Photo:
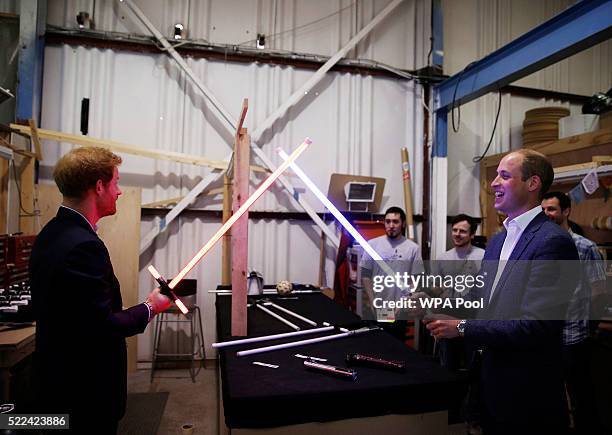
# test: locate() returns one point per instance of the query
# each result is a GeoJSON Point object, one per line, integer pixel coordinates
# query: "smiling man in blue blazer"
{"type": "Point", "coordinates": [518, 332]}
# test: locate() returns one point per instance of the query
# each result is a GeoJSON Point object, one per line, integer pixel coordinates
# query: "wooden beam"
{"type": "Point", "coordinates": [128, 149]}
{"type": "Point", "coordinates": [226, 250]}
{"type": "Point", "coordinates": [240, 240]}
{"type": "Point", "coordinates": [35, 140]}
{"type": "Point", "coordinates": [16, 150]}
{"type": "Point", "coordinates": [173, 201]}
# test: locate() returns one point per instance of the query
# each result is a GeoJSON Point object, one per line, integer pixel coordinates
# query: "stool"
{"type": "Point", "coordinates": [185, 289]}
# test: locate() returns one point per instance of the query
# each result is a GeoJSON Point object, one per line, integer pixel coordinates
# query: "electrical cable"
{"type": "Point", "coordinates": [456, 128]}
{"type": "Point", "coordinates": [270, 37]}
{"type": "Point", "coordinates": [477, 159]}
{"type": "Point", "coordinates": [23, 210]}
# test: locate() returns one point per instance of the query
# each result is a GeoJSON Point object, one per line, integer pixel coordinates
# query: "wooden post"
{"type": "Point", "coordinates": [240, 247]}
{"type": "Point", "coordinates": [226, 252]}
{"type": "Point", "coordinates": [322, 277]}
{"type": "Point", "coordinates": [407, 192]}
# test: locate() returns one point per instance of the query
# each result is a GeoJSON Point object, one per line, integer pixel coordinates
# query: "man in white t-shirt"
{"type": "Point", "coordinates": [463, 259]}
{"type": "Point", "coordinates": [400, 254]}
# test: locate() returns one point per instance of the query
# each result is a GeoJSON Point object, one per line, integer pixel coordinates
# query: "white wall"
{"type": "Point", "coordinates": [357, 123]}
{"type": "Point", "coordinates": [475, 28]}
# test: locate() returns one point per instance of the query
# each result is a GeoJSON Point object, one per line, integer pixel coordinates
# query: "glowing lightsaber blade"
{"type": "Point", "coordinates": [165, 289]}
{"type": "Point", "coordinates": [243, 208]}
{"type": "Point", "coordinates": [332, 208]}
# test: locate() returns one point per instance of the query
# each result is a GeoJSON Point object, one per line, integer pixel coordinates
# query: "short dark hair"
{"type": "Point", "coordinates": [464, 217]}
{"type": "Point", "coordinates": [564, 201]}
{"type": "Point", "coordinates": [536, 163]}
{"type": "Point", "coordinates": [398, 211]}
{"type": "Point", "coordinates": [80, 169]}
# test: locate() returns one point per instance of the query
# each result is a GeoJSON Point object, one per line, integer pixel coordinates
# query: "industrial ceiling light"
{"type": "Point", "coordinates": [179, 31]}
{"type": "Point", "coordinates": [83, 20]}
{"type": "Point", "coordinates": [261, 41]}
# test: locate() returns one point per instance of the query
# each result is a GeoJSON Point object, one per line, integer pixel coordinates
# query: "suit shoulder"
{"type": "Point", "coordinates": [63, 236]}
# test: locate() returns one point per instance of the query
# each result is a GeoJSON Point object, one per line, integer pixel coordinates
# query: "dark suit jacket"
{"type": "Point", "coordinates": [80, 358]}
{"type": "Point", "coordinates": [519, 331]}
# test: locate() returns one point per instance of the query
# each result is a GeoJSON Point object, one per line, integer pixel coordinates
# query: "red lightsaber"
{"type": "Point", "coordinates": [231, 221]}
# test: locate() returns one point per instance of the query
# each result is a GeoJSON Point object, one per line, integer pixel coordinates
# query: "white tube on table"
{"type": "Point", "coordinates": [303, 342]}
{"type": "Point", "coordinates": [291, 313]}
{"type": "Point", "coordinates": [276, 316]}
{"type": "Point", "coordinates": [271, 337]}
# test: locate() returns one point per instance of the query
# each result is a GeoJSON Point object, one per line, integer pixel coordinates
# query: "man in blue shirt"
{"type": "Point", "coordinates": [576, 365]}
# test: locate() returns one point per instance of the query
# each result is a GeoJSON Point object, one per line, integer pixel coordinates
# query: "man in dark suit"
{"type": "Point", "coordinates": [81, 359]}
{"type": "Point", "coordinates": [518, 333]}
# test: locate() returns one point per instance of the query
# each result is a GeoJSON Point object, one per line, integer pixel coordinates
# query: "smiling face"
{"type": "Point", "coordinates": [461, 234]}
{"type": "Point", "coordinates": [107, 194]}
{"type": "Point", "coordinates": [513, 195]}
{"type": "Point", "coordinates": [553, 211]}
{"type": "Point", "coordinates": [393, 225]}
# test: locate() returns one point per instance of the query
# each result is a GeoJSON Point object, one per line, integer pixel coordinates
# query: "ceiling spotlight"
{"type": "Point", "coordinates": [179, 31]}
{"type": "Point", "coordinates": [261, 41]}
{"type": "Point", "coordinates": [83, 20]}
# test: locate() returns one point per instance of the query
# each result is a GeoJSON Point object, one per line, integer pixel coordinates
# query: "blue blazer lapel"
{"type": "Point", "coordinates": [492, 255]}
{"type": "Point", "coordinates": [518, 250]}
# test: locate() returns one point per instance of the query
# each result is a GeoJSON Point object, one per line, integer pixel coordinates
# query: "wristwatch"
{"type": "Point", "coordinates": [461, 328]}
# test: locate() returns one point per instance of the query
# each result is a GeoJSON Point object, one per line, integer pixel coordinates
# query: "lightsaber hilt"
{"type": "Point", "coordinates": [374, 362]}
{"type": "Point", "coordinates": [340, 372]}
{"type": "Point", "coordinates": [164, 289]}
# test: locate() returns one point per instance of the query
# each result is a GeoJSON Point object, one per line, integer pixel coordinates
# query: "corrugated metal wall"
{"type": "Point", "coordinates": [357, 123]}
{"type": "Point", "coordinates": [475, 28]}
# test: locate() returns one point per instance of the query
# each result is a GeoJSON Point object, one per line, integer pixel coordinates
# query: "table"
{"type": "Point", "coordinates": [293, 400]}
{"type": "Point", "coordinates": [15, 345]}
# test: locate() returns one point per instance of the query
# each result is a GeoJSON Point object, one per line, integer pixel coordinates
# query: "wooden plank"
{"type": "Point", "coordinates": [586, 165]}
{"type": "Point", "coordinates": [573, 143]}
{"type": "Point", "coordinates": [239, 244]}
{"type": "Point", "coordinates": [121, 235]}
{"type": "Point", "coordinates": [35, 140]}
{"type": "Point", "coordinates": [226, 247]}
{"type": "Point", "coordinates": [172, 201]}
{"type": "Point", "coordinates": [128, 149]}
{"type": "Point", "coordinates": [15, 149]}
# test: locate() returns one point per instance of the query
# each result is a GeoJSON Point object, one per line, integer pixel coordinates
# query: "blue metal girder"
{"type": "Point", "coordinates": [579, 27]}
{"type": "Point", "coordinates": [440, 145]}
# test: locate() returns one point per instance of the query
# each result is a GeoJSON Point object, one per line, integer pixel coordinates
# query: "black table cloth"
{"type": "Point", "coordinates": [256, 397]}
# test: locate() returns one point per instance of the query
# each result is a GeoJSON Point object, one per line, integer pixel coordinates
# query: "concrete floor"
{"type": "Point", "coordinates": [194, 403]}
{"type": "Point", "coordinates": [188, 402]}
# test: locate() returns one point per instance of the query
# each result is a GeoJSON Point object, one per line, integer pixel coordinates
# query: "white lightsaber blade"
{"type": "Point", "coordinates": [332, 208]}
{"type": "Point", "coordinates": [291, 313]}
{"type": "Point", "coordinates": [276, 316]}
{"type": "Point", "coordinates": [271, 337]}
{"type": "Point", "coordinates": [243, 208]}
{"type": "Point", "coordinates": [303, 342]}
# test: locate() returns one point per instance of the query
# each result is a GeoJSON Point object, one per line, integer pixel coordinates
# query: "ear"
{"type": "Point", "coordinates": [534, 183]}
{"type": "Point", "coordinates": [99, 186]}
{"type": "Point", "coordinates": [567, 212]}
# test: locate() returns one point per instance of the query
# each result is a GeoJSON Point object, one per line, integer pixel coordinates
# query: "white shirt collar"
{"type": "Point", "coordinates": [523, 220]}
{"type": "Point", "coordinates": [93, 227]}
